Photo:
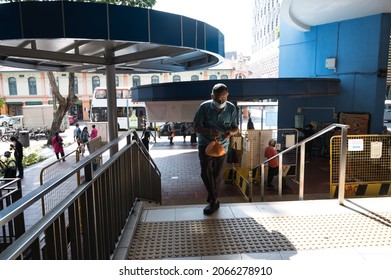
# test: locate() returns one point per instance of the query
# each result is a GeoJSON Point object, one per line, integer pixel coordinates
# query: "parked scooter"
{"type": "Point", "coordinates": [39, 134]}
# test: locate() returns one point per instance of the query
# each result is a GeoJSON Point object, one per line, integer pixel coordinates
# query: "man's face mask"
{"type": "Point", "coordinates": [220, 100]}
{"type": "Point", "coordinates": [219, 105]}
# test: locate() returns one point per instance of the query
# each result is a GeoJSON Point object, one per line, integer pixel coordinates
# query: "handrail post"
{"type": "Point", "coordinates": [78, 175]}
{"type": "Point", "coordinates": [302, 166]}
{"type": "Point", "coordinates": [250, 173]}
{"type": "Point", "coordinates": [280, 175]}
{"type": "Point", "coordinates": [262, 182]}
{"type": "Point", "coordinates": [20, 226]}
{"type": "Point", "coordinates": [342, 165]}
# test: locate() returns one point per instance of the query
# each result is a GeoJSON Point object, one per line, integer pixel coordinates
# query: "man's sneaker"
{"type": "Point", "coordinates": [208, 210]}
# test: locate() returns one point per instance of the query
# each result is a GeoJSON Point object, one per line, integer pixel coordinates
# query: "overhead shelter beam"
{"type": "Point", "coordinates": [239, 89]}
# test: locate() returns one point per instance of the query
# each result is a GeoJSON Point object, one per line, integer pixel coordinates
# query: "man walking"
{"type": "Point", "coordinates": [214, 119]}
{"type": "Point", "coordinates": [18, 154]}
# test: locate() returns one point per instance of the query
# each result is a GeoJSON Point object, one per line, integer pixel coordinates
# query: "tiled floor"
{"type": "Point", "coordinates": [184, 198]}
{"type": "Point", "coordinates": [182, 184]}
{"type": "Point", "coordinates": [317, 227]}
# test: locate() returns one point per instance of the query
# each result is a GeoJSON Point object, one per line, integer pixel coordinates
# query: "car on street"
{"type": "Point", "coordinates": [4, 119]}
{"type": "Point", "coordinates": [16, 122]}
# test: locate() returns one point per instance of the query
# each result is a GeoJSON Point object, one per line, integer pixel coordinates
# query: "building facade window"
{"type": "Point", "coordinates": [13, 90]}
{"type": "Point", "coordinates": [32, 86]}
{"type": "Point", "coordinates": [176, 78]}
{"type": "Point", "coordinates": [212, 77]}
{"type": "Point", "coordinates": [224, 77]}
{"type": "Point", "coordinates": [116, 81]}
{"type": "Point", "coordinates": [195, 78]}
{"type": "Point", "coordinates": [136, 81]}
{"type": "Point", "coordinates": [95, 82]}
{"type": "Point", "coordinates": [154, 79]}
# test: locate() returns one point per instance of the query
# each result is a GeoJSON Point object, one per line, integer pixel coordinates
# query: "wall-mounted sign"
{"type": "Point", "coordinates": [376, 149]}
{"type": "Point", "coordinates": [355, 145]}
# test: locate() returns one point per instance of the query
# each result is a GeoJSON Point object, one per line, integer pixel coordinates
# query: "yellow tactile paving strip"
{"type": "Point", "coordinates": [158, 240]}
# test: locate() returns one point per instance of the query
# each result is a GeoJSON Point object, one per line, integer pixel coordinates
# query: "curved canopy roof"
{"type": "Point", "coordinates": [179, 101]}
{"type": "Point", "coordinates": [304, 14]}
{"type": "Point", "coordinates": [239, 89]}
{"type": "Point", "coordinates": [86, 37]}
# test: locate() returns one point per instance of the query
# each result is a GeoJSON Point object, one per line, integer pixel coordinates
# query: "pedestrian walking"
{"type": "Point", "coordinates": [171, 131]}
{"type": "Point", "coordinates": [84, 137]}
{"type": "Point", "coordinates": [184, 131]}
{"type": "Point", "coordinates": [18, 154]}
{"type": "Point", "coordinates": [58, 144]}
{"type": "Point", "coordinates": [76, 133]}
{"type": "Point", "coordinates": [94, 132]}
{"type": "Point", "coordinates": [215, 120]}
{"type": "Point", "coordinates": [145, 137]}
{"type": "Point", "coordinates": [193, 137]}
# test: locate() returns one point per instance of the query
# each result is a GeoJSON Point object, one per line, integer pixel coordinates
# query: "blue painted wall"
{"type": "Point", "coordinates": [361, 49]}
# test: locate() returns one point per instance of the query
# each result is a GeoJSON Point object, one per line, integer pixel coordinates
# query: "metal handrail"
{"type": "Point", "coordinates": [145, 151]}
{"type": "Point", "coordinates": [41, 174]}
{"type": "Point", "coordinates": [342, 166]}
{"type": "Point", "coordinates": [88, 208]}
{"type": "Point", "coordinates": [35, 195]}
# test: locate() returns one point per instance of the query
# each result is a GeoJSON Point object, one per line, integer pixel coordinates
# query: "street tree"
{"type": "Point", "coordinates": [2, 102]}
{"type": "Point", "coordinates": [64, 102]}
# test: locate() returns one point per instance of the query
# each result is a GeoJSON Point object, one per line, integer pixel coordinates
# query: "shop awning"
{"type": "Point", "coordinates": [33, 102]}
{"type": "Point", "coordinates": [14, 103]}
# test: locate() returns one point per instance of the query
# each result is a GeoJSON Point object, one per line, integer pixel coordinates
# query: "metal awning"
{"type": "Point", "coordinates": [178, 101]}
{"type": "Point", "coordinates": [85, 37]}
{"type": "Point", "coordinates": [239, 89]}
{"type": "Point", "coordinates": [101, 37]}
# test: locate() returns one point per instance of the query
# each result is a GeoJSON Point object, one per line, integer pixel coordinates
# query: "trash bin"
{"type": "Point", "coordinates": [24, 138]}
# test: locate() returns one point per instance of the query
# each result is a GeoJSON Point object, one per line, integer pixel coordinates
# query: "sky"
{"type": "Point", "coordinates": [231, 17]}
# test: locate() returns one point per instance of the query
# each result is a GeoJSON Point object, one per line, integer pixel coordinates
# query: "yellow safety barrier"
{"type": "Point", "coordinates": [240, 180]}
{"type": "Point", "coordinates": [368, 165]}
{"type": "Point", "coordinates": [251, 147]}
{"type": "Point", "coordinates": [360, 189]}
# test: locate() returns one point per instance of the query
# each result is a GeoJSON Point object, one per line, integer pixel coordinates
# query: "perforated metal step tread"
{"type": "Point", "coordinates": [159, 240]}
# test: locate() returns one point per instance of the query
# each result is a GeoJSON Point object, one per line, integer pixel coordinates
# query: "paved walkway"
{"type": "Point", "coordinates": [182, 184]}
{"type": "Point", "coordinates": [31, 180]}
{"type": "Point", "coordinates": [317, 227]}
{"type": "Point", "coordinates": [312, 230]}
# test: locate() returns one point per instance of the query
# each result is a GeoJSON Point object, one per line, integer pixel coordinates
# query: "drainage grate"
{"type": "Point", "coordinates": [158, 240]}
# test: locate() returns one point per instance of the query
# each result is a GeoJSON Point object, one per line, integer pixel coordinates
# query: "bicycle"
{"type": "Point", "coordinates": [7, 166]}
